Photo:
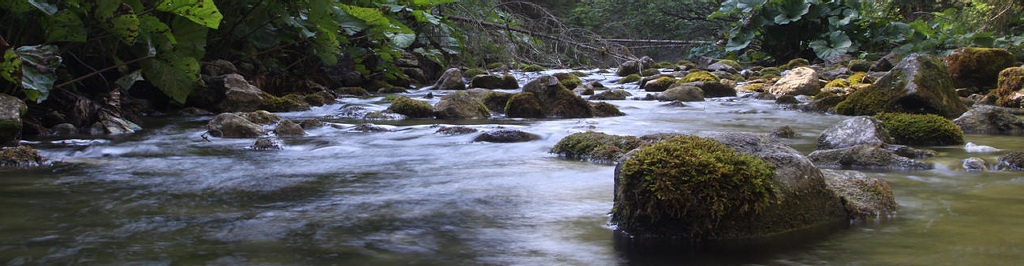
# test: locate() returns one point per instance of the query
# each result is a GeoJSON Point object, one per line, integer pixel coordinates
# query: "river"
{"type": "Point", "coordinates": [410, 196]}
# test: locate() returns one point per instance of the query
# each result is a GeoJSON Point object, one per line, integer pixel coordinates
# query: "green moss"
{"type": "Point", "coordinates": [867, 101]}
{"type": "Point", "coordinates": [858, 78]}
{"type": "Point", "coordinates": [495, 65]}
{"type": "Point", "coordinates": [685, 63]}
{"type": "Point", "coordinates": [411, 108]}
{"type": "Point", "coordinates": [288, 103]}
{"type": "Point", "coordinates": [736, 77]}
{"type": "Point", "coordinates": [473, 72]}
{"type": "Point", "coordinates": [1010, 81]}
{"type": "Point", "coordinates": [684, 186]}
{"type": "Point", "coordinates": [770, 77]}
{"type": "Point", "coordinates": [921, 129]}
{"type": "Point", "coordinates": [649, 72]}
{"type": "Point", "coordinates": [604, 109]}
{"type": "Point", "coordinates": [859, 65]}
{"type": "Point", "coordinates": [595, 147]}
{"type": "Point", "coordinates": [771, 71]}
{"type": "Point", "coordinates": [531, 68]}
{"type": "Point", "coordinates": [356, 91]}
{"type": "Point", "coordinates": [505, 81]}
{"type": "Point", "coordinates": [838, 83]}
{"type": "Point", "coordinates": [523, 105]}
{"type": "Point", "coordinates": [314, 99]}
{"type": "Point", "coordinates": [699, 76]}
{"type": "Point", "coordinates": [631, 78]}
{"type": "Point", "coordinates": [497, 100]}
{"type": "Point", "coordinates": [392, 89]}
{"type": "Point", "coordinates": [796, 62]}
{"type": "Point", "coordinates": [823, 94]}
{"type": "Point", "coordinates": [757, 87]}
{"type": "Point", "coordinates": [659, 84]}
{"type": "Point", "coordinates": [389, 98]}
{"type": "Point", "coordinates": [730, 62]}
{"type": "Point", "coordinates": [664, 64]}
{"type": "Point", "coordinates": [569, 80]}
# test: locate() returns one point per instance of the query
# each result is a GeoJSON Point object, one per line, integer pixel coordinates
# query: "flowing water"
{"type": "Point", "coordinates": [411, 196]}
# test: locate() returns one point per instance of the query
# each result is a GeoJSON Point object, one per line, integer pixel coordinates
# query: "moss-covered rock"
{"type": "Point", "coordinates": [531, 68]}
{"type": "Point", "coordinates": [837, 83]}
{"type": "Point", "coordinates": [795, 63]}
{"type": "Point", "coordinates": [858, 78]}
{"type": "Point", "coordinates": [412, 108]}
{"type": "Point", "coordinates": [727, 186]}
{"type": "Point", "coordinates": [921, 129]}
{"type": "Point", "coordinates": [524, 105]}
{"type": "Point", "coordinates": [496, 101]}
{"type": "Point", "coordinates": [595, 147]}
{"type": "Point", "coordinates": [569, 80]}
{"type": "Point", "coordinates": [460, 105]}
{"type": "Point", "coordinates": [990, 120]}
{"type": "Point", "coordinates": [260, 117]}
{"type": "Point", "coordinates": [229, 125]}
{"type": "Point", "coordinates": [606, 110]}
{"type": "Point", "coordinates": [495, 65]}
{"type": "Point", "coordinates": [353, 91]}
{"type": "Point", "coordinates": [825, 103]}
{"type": "Point", "coordinates": [683, 93]}
{"type": "Point", "coordinates": [770, 71]}
{"type": "Point", "coordinates": [1010, 92]}
{"type": "Point", "coordinates": [659, 84]}
{"type": "Point", "coordinates": [473, 72]}
{"type": "Point", "coordinates": [977, 67]}
{"type": "Point", "coordinates": [287, 128]}
{"type": "Point", "coordinates": [12, 110]}
{"type": "Point", "coordinates": [287, 103]}
{"type": "Point", "coordinates": [556, 100]}
{"type": "Point", "coordinates": [650, 72]}
{"type": "Point", "coordinates": [450, 80]}
{"type": "Point", "coordinates": [696, 76]}
{"type": "Point", "coordinates": [506, 136]}
{"type": "Point", "coordinates": [712, 89]}
{"type": "Point", "coordinates": [787, 99]}
{"type": "Point", "coordinates": [505, 82]}
{"type": "Point", "coordinates": [391, 89]}
{"type": "Point", "coordinates": [20, 157]}
{"type": "Point", "coordinates": [859, 65]}
{"type": "Point", "coordinates": [611, 95]}
{"type": "Point", "coordinates": [630, 78]}
{"type": "Point", "coordinates": [918, 84]}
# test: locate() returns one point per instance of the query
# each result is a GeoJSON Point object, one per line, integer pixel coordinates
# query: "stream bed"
{"type": "Point", "coordinates": [411, 196]}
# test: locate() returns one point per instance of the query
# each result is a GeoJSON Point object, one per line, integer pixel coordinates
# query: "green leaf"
{"type": "Point", "coordinates": [739, 40]}
{"type": "Point", "coordinates": [837, 43]}
{"type": "Point", "coordinates": [370, 16]}
{"type": "Point", "coordinates": [38, 69]}
{"type": "Point", "coordinates": [10, 68]}
{"type": "Point", "coordinates": [154, 26]}
{"type": "Point", "coordinates": [191, 38]}
{"type": "Point", "coordinates": [199, 11]}
{"type": "Point", "coordinates": [126, 27]}
{"type": "Point", "coordinates": [64, 26]}
{"type": "Point", "coordinates": [105, 8]}
{"type": "Point", "coordinates": [174, 76]}
{"type": "Point", "coordinates": [424, 17]}
{"type": "Point", "coordinates": [792, 11]}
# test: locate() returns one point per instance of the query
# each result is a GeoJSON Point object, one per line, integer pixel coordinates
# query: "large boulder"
{"type": "Point", "coordinates": [854, 131]}
{"type": "Point", "coordinates": [682, 92]}
{"type": "Point", "coordinates": [921, 129]}
{"type": "Point", "coordinates": [556, 100]}
{"type": "Point", "coordinates": [460, 105]}
{"type": "Point", "coordinates": [230, 125]}
{"type": "Point", "coordinates": [658, 84]}
{"type": "Point", "coordinates": [866, 156]}
{"type": "Point", "coordinates": [523, 105]}
{"type": "Point", "coordinates": [864, 197]}
{"type": "Point", "coordinates": [1010, 92]}
{"type": "Point", "coordinates": [798, 81]}
{"type": "Point", "coordinates": [412, 108]}
{"type": "Point", "coordinates": [450, 80]}
{"type": "Point", "coordinates": [635, 66]}
{"type": "Point", "coordinates": [919, 84]}
{"type": "Point", "coordinates": [977, 67]}
{"type": "Point", "coordinates": [505, 82]}
{"type": "Point", "coordinates": [287, 128]}
{"type": "Point", "coordinates": [772, 190]}
{"type": "Point", "coordinates": [714, 89]}
{"type": "Point", "coordinates": [611, 95]}
{"type": "Point", "coordinates": [239, 94]}
{"type": "Point", "coordinates": [989, 120]}
{"type": "Point", "coordinates": [11, 111]}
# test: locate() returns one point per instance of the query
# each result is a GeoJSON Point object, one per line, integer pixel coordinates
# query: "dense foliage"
{"type": "Point", "coordinates": [104, 45]}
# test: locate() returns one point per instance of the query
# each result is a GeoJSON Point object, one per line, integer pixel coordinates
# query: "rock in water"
{"type": "Point", "coordinates": [919, 84]}
{"type": "Point", "coordinates": [1010, 92]}
{"type": "Point", "coordinates": [977, 67]}
{"type": "Point", "coordinates": [451, 80]}
{"type": "Point", "coordinates": [506, 136]}
{"type": "Point", "coordinates": [864, 197]}
{"type": "Point", "coordinates": [989, 120]}
{"type": "Point", "coordinates": [799, 81]}
{"type": "Point", "coordinates": [229, 125]}
{"type": "Point", "coordinates": [854, 131]}
{"type": "Point", "coordinates": [460, 105]}
{"type": "Point", "coordinates": [975, 164]}
{"type": "Point", "coordinates": [21, 156]}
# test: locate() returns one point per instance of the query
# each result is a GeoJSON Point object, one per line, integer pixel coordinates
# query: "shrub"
{"type": "Point", "coordinates": [685, 185]}
{"type": "Point", "coordinates": [921, 129]}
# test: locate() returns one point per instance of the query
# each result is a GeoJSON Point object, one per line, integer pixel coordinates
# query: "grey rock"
{"type": "Point", "coordinates": [854, 131]}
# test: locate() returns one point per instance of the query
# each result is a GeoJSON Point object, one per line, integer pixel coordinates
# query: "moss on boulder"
{"type": "Point", "coordinates": [523, 105]}
{"type": "Point", "coordinates": [918, 84]}
{"type": "Point", "coordinates": [630, 78]}
{"type": "Point", "coordinates": [473, 72]}
{"type": "Point", "coordinates": [595, 147]}
{"type": "Point", "coordinates": [977, 67]}
{"type": "Point", "coordinates": [659, 84]}
{"type": "Point", "coordinates": [531, 68]}
{"type": "Point", "coordinates": [287, 103]}
{"type": "Point", "coordinates": [412, 108]}
{"type": "Point", "coordinates": [460, 105]}
{"type": "Point", "coordinates": [496, 101]}
{"type": "Point", "coordinates": [689, 187]}
{"type": "Point", "coordinates": [696, 76]}
{"type": "Point", "coordinates": [569, 80]}
{"type": "Point", "coordinates": [20, 157]}
{"type": "Point", "coordinates": [450, 80]}
{"type": "Point", "coordinates": [556, 100]}
{"type": "Point", "coordinates": [606, 110]}
{"type": "Point", "coordinates": [921, 129]}
{"type": "Point", "coordinates": [1010, 92]}
{"type": "Point", "coordinates": [794, 63]}
{"type": "Point", "coordinates": [634, 66]}
{"type": "Point", "coordinates": [611, 95]}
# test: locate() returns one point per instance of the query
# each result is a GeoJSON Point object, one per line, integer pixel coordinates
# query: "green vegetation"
{"type": "Point", "coordinates": [531, 68]}
{"type": "Point", "coordinates": [921, 129]}
{"type": "Point", "coordinates": [838, 83]}
{"type": "Point", "coordinates": [686, 185]}
{"type": "Point", "coordinates": [795, 63]}
{"type": "Point", "coordinates": [659, 84]}
{"type": "Point", "coordinates": [524, 105]}
{"type": "Point", "coordinates": [569, 80]}
{"type": "Point", "coordinates": [595, 147]}
{"type": "Point", "coordinates": [473, 72]}
{"type": "Point", "coordinates": [412, 108]}
{"type": "Point", "coordinates": [858, 78]}
{"type": "Point", "coordinates": [1011, 80]}
{"type": "Point", "coordinates": [630, 79]}
{"type": "Point", "coordinates": [731, 63]}
{"type": "Point", "coordinates": [699, 76]}
{"type": "Point", "coordinates": [603, 109]}
{"type": "Point", "coordinates": [866, 101]}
